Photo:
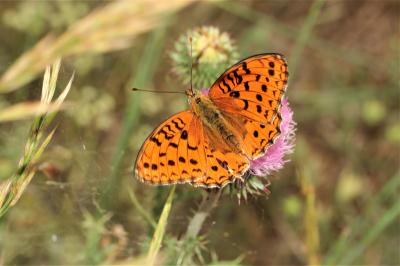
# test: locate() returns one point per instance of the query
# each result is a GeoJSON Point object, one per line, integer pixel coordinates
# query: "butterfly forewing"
{"type": "Point", "coordinates": [253, 87]}
{"type": "Point", "coordinates": [157, 161]}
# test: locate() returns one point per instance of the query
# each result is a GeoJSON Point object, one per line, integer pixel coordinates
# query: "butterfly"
{"type": "Point", "coordinates": [213, 143]}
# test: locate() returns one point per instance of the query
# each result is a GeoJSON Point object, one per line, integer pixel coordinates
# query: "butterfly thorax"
{"type": "Point", "coordinates": [214, 120]}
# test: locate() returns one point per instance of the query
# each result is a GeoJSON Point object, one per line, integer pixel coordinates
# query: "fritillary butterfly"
{"type": "Point", "coordinates": [212, 143]}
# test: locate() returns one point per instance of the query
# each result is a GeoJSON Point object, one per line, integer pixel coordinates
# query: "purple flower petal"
{"type": "Point", "coordinates": [205, 91]}
{"type": "Point", "coordinates": [273, 159]}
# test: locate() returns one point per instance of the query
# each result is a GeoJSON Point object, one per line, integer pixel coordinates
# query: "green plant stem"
{"type": "Point", "coordinates": [208, 203]}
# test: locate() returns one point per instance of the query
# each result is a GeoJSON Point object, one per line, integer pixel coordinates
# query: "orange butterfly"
{"type": "Point", "coordinates": [212, 144]}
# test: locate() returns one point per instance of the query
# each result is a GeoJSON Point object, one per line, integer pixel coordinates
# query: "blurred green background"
{"type": "Point", "coordinates": [335, 202]}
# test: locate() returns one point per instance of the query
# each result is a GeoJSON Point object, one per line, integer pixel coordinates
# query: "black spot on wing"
{"type": "Point", "coordinates": [178, 124]}
{"type": "Point", "coordinates": [246, 70]}
{"type": "Point", "coordinates": [173, 145]}
{"type": "Point", "coordinates": [184, 135]}
{"type": "Point", "coordinates": [226, 85]}
{"type": "Point", "coordinates": [234, 94]}
{"type": "Point", "coordinates": [223, 164]}
{"type": "Point", "coordinates": [246, 104]}
{"type": "Point", "coordinates": [155, 140]}
{"type": "Point", "coordinates": [223, 91]}
{"type": "Point", "coordinates": [255, 133]}
{"type": "Point", "coordinates": [246, 86]}
{"type": "Point", "coordinates": [166, 135]}
{"type": "Point", "coordinates": [169, 128]}
{"type": "Point", "coordinates": [193, 148]}
{"type": "Point", "coordinates": [264, 88]}
{"type": "Point", "coordinates": [230, 78]}
{"type": "Point", "coordinates": [238, 78]}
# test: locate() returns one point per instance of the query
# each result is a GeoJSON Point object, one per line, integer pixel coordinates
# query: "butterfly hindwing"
{"type": "Point", "coordinates": [222, 165]}
{"type": "Point", "coordinates": [254, 137]}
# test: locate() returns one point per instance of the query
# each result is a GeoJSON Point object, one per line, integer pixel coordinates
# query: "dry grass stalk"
{"type": "Point", "coordinates": [12, 188]}
{"type": "Point", "coordinates": [108, 28]}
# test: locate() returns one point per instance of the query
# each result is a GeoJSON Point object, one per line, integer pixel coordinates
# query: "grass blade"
{"type": "Point", "coordinates": [310, 220]}
{"type": "Point", "coordinates": [376, 230]}
{"type": "Point", "coordinates": [347, 240]}
{"type": "Point", "coordinates": [160, 230]}
{"type": "Point", "coordinates": [140, 209]}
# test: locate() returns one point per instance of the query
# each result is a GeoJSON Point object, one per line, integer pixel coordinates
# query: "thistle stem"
{"type": "Point", "coordinates": [208, 203]}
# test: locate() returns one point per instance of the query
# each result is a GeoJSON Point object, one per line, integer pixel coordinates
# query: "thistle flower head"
{"type": "Point", "coordinates": [212, 52]}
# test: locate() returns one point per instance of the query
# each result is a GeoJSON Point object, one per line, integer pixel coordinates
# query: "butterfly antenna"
{"type": "Point", "coordinates": [136, 89]}
{"type": "Point", "coordinates": [191, 65]}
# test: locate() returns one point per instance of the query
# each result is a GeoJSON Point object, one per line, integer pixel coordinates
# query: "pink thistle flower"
{"type": "Point", "coordinates": [273, 160]}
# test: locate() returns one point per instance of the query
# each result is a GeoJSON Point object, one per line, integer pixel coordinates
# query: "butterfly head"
{"type": "Point", "coordinates": [194, 96]}
{"type": "Point", "coordinates": [200, 103]}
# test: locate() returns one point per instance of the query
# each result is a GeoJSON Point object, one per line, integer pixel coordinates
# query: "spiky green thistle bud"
{"type": "Point", "coordinates": [212, 52]}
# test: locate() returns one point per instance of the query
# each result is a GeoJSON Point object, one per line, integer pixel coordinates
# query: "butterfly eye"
{"type": "Point", "coordinates": [197, 100]}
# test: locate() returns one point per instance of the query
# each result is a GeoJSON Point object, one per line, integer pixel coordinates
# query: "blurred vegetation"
{"type": "Point", "coordinates": [335, 203]}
